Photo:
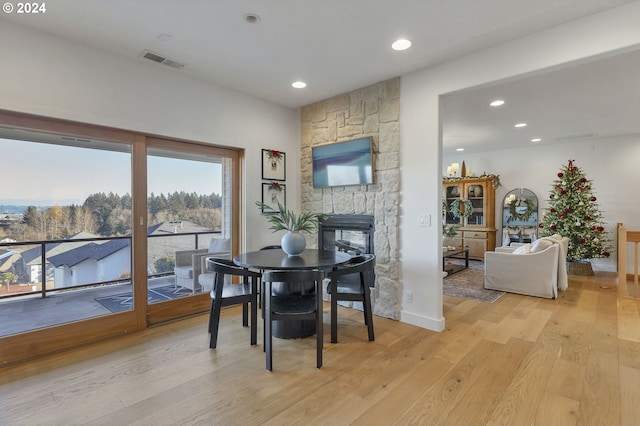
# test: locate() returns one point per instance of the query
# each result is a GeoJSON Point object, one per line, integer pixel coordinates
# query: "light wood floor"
{"type": "Point", "coordinates": [518, 361]}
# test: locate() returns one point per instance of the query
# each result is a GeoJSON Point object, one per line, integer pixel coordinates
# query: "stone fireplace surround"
{"type": "Point", "coordinates": [371, 111]}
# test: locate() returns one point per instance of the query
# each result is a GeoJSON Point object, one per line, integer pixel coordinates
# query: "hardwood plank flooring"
{"type": "Point", "coordinates": [521, 360]}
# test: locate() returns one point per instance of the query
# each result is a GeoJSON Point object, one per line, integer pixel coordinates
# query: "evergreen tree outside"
{"type": "Point", "coordinates": [573, 213]}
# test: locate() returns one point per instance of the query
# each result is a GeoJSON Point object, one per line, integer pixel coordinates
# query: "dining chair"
{"type": "Point", "coordinates": [226, 293]}
{"type": "Point", "coordinates": [352, 282]}
{"type": "Point", "coordinates": [260, 290]}
{"type": "Point", "coordinates": [292, 307]}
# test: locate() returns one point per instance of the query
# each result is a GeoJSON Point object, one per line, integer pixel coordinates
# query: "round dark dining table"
{"type": "Point", "coordinates": [276, 259]}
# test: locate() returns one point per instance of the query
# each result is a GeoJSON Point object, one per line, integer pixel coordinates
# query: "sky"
{"type": "Point", "coordinates": [41, 174]}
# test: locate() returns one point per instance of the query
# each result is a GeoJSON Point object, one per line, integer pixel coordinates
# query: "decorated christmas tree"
{"type": "Point", "coordinates": [573, 213]}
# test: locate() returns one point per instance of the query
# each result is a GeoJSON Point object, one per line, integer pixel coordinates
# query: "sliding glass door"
{"type": "Point", "coordinates": [189, 216]}
{"type": "Point", "coordinates": [95, 226]}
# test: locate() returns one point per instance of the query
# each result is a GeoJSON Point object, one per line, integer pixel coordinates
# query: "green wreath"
{"type": "Point", "coordinates": [458, 212]}
{"type": "Point", "coordinates": [527, 213]}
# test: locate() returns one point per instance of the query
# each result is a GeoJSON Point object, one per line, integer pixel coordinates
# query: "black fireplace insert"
{"type": "Point", "coordinates": [351, 233]}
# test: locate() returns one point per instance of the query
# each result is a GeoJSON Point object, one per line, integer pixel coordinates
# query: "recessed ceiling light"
{"type": "Point", "coordinates": [164, 37]}
{"type": "Point", "coordinates": [536, 140]}
{"type": "Point", "coordinates": [299, 84]}
{"type": "Point", "coordinates": [251, 18]}
{"type": "Point", "coordinates": [459, 149]}
{"type": "Point", "coordinates": [497, 102]}
{"type": "Point", "coordinates": [401, 44]}
{"type": "Point", "coordinates": [521, 125]}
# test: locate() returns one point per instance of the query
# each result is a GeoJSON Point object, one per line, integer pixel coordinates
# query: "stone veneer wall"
{"type": "Point", "coordinates": [372, 111]}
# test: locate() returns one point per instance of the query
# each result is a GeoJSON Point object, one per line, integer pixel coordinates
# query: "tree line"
{"type": "Point", "coordinates": [110, 215]}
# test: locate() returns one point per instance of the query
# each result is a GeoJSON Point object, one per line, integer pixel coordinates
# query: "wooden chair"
{"type": "Point", "coordinates": [292, 307]}
{"type": "Point", "coordinates": [227, 294]}
{"type": "Point", "coordinates": [352, 282]}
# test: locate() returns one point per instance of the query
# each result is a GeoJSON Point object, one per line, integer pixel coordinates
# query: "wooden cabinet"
{"type": "Point", "coordinates": [477, 230]}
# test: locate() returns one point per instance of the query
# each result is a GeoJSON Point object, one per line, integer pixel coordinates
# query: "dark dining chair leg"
{"type": "Point", "coordinates": [368, 315]}
{"type": "Point", "coordinates": [210, 317]}
{"type": "Point", "coordinates": [215, 321]}
{"type": "Point", "coordinates": [215, 313]}
{"type": "Point", "coordinates": [334, 311]}
{"type": "Point", "coordinates": [267, 327]}
{"type": "Point", "coordinates": [245, 314]}
{"type": "Point", "coordinates": [262, 310]}
{"type": "Point", "coordinates": [319, 325]}
{"type": "Point", "coordinates": [254, 312]}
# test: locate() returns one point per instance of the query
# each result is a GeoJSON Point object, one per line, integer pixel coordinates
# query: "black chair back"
{"type": "Point", "coordinates": [292, 307]}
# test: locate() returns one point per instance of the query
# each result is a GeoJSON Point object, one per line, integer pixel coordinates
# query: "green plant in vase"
{"type": "Point", "coordinates": [281, 219]}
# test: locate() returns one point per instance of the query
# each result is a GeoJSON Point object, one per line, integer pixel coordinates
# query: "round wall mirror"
{"type": "Point", "coordinates": [519, 217]}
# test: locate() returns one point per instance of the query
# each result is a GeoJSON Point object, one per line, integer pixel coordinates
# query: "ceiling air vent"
{"type": "Point", "coordinates": [147, 54]}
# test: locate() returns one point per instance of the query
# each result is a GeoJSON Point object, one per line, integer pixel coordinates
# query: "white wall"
{"type": "Point", "coordinates": [45, 75]}
{"type": "Point", "coordinates": [610, 163]}
{"type": "Point", "coordinates": [420, 135]}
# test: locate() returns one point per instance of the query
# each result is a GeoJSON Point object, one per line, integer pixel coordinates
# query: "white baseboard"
{"type": "Point", "coordinates": [421, 321]}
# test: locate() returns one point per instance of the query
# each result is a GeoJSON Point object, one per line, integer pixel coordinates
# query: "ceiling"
{"type": "Point", "coordinates": [335, 46]}
{"type": "Point", "coordinates": [596, 99]}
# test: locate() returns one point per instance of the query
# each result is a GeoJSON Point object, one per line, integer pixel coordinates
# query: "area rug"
{"type": "Point", "coordinates": [123, 302]}
{"type": "Point", "coordinates": [469, 283]}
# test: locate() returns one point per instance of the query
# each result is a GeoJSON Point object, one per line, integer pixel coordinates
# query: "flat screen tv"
{"type": "Point", "coordinates": [343, 163]}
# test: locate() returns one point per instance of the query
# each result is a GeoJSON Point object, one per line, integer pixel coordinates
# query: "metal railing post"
{"type": "Point", "coordinates": [43, 269]}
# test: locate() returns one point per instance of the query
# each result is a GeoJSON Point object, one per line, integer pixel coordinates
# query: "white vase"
{"type": "Point", "coordinates": [293, 243]}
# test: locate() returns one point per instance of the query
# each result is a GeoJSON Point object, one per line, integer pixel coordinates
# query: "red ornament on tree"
{"type": "Point", "coordinates": [582, 240]}
{"type": "Point", "coordinates": [560, 174]}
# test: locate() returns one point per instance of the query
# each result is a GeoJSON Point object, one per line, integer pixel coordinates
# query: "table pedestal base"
{"type": "Point", "coordinates": [293, 329]}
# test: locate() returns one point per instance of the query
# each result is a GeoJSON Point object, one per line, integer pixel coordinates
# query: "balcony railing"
{"type": "Point", "coordinates": [187, 240]}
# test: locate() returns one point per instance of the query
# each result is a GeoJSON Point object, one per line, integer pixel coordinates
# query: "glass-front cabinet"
{"type": "Point", "coordinates": [470, 204]}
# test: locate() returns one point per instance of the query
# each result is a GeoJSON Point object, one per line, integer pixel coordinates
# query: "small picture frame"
{"type": "Point", "coordinates": [274, 165]}
{"type": "Point", "coordinates": [272, 193]}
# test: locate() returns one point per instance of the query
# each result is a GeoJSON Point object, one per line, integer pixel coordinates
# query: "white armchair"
{"type": "Point", "coordinates": [190, 263]}
{"type": "Point", "coordinates": [537, 269]}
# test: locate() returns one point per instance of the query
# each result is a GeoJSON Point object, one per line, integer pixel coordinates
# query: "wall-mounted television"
{"type": "Point", "coordinates": [343, 163]}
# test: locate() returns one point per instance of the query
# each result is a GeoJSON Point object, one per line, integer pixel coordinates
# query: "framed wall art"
{"type": "Point", "coordinates": [274, 165]}
{"type": "Point", "coordinates": [274, 193]}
